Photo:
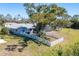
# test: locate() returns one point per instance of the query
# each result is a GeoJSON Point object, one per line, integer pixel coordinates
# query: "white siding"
{"type": "Point", "coordinates": [16, 25]}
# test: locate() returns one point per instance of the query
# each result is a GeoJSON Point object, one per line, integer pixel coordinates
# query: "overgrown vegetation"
{"type": "Point", "coordinates": [56, 17]}
{"type": "Point", "coordinates": [70, 47]}
{"type": "Point", "coordinates": [4, 31]}
{"type": "Point", "coordinates": [72, 50]}
{"type": "Point", "coordinates": [52, 14]}
{"type": "Point", "coordinates": [46, 14]}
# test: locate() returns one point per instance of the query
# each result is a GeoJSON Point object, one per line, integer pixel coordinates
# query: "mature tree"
{"type": "Point", "coordinates": [75, 22]}
{"type": "Point", "coordinates": [43, 14]}
{"type": "Point", "coordinates": [17, 17]}
{"type": "Point", "coordinates": [75, 18]}
{"type": "Point", "coordinates": [58, 11]}
{"type": "Point", "coordinates": [8, 17]}
{"type": "Point", "coordinates": [2, 19]}
{"type": "Point", "coordinates": [29, 8]}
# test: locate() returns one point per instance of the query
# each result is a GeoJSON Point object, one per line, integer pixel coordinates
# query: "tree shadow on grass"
{"type": "Point", "coordinates": [26, 39]}
{"type": "Point", "coordinates": [21, 45]}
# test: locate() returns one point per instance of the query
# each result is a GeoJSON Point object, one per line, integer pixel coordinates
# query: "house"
{"type": "Point", "coordinates": [17, 25]}
{"type": "Point", "coordinates": [25, 30]}
{"type": "Point", "coordinates": [20, 27]}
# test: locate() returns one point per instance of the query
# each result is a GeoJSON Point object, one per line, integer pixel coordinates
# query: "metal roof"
{"type": "Point", "coordinates": [16, 25]}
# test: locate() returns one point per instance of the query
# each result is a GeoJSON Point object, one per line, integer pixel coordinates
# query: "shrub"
{"type": "Point", "coordinates": [4, 31]}
{"type": "Point", "coordinates": [72, 50]}
{"type": "Point", "coordinates": [57, 51]}
{"type": "Point", "coordinates": [75, 49]}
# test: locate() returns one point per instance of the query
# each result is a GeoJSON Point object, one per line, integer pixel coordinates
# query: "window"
{"type": "Point", "coordinates": [30, 29]}
{"type": "Point", "coordinates": [28, 32]}
{"type": "Point", "coordinates": [23, 30]}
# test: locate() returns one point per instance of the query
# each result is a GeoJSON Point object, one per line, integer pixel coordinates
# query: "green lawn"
{"type": "Point", "coordinates": [65, 48]}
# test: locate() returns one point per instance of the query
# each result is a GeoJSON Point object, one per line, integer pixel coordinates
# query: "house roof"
{"type": "Point", "coordinates": [16, 25]}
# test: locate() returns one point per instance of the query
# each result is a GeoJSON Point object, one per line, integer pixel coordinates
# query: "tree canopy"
{"type": "Point", "coordinates": [44, 14]}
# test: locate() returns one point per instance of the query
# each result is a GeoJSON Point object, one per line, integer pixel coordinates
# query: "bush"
{"type": "Point", "coordinates": [75, 25]}
{"type": "Point", "coordinates": [75, 49]}
{"type": "Point", "coordinates": [58, 51]}
{"type": "Point", "coordinates": [4, 31]}
{"type": "Point", "coordinates": [72, 50]}
{"type": "Point", "coordinates": [41, 34]}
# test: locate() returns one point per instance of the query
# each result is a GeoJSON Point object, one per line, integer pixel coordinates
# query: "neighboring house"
{"type": "Point", "coordinates": [17, 25]}
{"type": "Point", "coordinates": [28, 26]}
{"type": "Point", "coordinates": [20, 27]}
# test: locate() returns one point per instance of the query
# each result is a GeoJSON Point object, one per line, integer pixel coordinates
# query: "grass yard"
{"type": "Point", "coordinates": [65, 48]}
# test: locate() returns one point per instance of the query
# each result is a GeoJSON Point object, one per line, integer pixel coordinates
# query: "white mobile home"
{"type": "Point", "coordinates": [27, 27]}
{"type": "Point", "coordinates": [17, 25]}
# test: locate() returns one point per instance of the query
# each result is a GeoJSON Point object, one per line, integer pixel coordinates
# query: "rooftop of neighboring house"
{"type": "Point", "coordinates": [18, 21]}
{"type": "Point", "coordinates": [17, 25]}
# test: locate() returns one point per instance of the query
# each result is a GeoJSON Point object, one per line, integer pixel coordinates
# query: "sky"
{"type": "Point", "coordinates": [17, 8]}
